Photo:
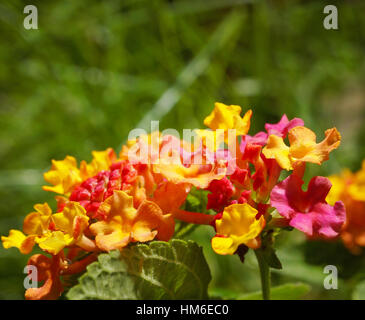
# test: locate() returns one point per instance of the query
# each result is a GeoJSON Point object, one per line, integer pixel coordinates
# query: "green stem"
{"type": "Point", "coordinates": [264, 274]}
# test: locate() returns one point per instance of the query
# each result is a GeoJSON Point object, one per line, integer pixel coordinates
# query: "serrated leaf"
{"type": "Point", "coordinates": [289, 291]}
{"type": "Point", "coordinates": [159, 270]}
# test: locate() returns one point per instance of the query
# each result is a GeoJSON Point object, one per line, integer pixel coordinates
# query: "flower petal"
{"type": "Point", "coordinates": [228, 117]}
{"type": "Point", "coordinates": [64, 176]}
{"type": "Point", "coordinates": [239, 224]}
{"type": "Point", "coordinates": [278, 150]}
{"type": "Point", "coordinates": [17, 239]}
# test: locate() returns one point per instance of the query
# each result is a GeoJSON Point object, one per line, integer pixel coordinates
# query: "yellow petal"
{"type": "Point", "coordinates": [102, 160]}
{"type": "Point", "coordinates": [303, 146]}
{"type": "Point", "coordinates": [228, 117]}
{"type": "Point", "coordinates": [64, 176]}
{"type": "Point", "coordinates": [119, 204]}
{"type": "Point", "coordinates": [17, 239]}
{"type": "Point", "coordinates": [337, 189]}
{"type": "Point", "coordinates": [37, 222]}
{"type": "Point", "coordinates": [239, 224]}
{"type": "Point", "coordinates": [72, 220]}
{"type": "Point", "coordinates": [109, 235]}
{"type": "Point", "coordinates": [357, 188]}
{"type": "Point", "coordinates": [223, 246]}
{"type": "Point", "coordinates": [54, 242]}
{"type": "Point", "coordinates": [277, 149]}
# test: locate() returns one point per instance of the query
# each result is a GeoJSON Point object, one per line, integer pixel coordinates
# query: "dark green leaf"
{"type": "Point", "coordinates": [271, 258]}
{"type": "Point", "coordinates": [159, 270]}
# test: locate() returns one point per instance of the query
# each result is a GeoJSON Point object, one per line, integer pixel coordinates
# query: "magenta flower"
{"type": "Point", "coordinates": [308, 210]}
{"type": "Point", "coordinates": [281, 128]}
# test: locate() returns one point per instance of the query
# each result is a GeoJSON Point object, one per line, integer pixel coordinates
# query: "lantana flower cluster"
{"type": "Point", "coordinates": [116, 200]}
{"type": "Point", "coordinates": [349, 187]}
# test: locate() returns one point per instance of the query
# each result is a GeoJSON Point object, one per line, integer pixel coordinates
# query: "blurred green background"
{"type": "Point", "coordinates": [94, 70]}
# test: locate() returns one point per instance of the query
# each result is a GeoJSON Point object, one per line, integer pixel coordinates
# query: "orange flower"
{"type": "Point", "coordinates": [198, 175]}
{"type": "Point", "coordinates": [349, 187]}
{"type": "Point", "coordinates": [48, 270]}
{"type": "Point", "coordinates": [303, 147]}
{"type": "Point", "coordinates": [170, 196]}
{"type": "Point", "coordinates": [125, 224]}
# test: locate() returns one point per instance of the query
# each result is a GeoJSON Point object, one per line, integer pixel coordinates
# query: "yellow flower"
{"type": "Point", "coordinates": [38, 222]}
{"type": "Point", "coordinates": [303, 147]}
{"type": "Point", "coordinates": [228, 117]}
{"type": "Point", "coordinates": [102, 160]}
{"type": "Point", "coordinates": [64, 176]}
{"type": "Point", "coordinates": [17, 239]}
{"type": "Point", "coordinates": [340, 185]}
{"type": "Point", "coordinates": [238, 225]}
{"type": "Point", "coordinates": [357, 188]}
{"type": "Point", "coordinates": [125, 224]}
{"type": "Point", "coordinates": [70, 225]}
{"type": "Point", "coordinates": [51, 232]}
{"type": "Point", "coordinates": [35, 225]}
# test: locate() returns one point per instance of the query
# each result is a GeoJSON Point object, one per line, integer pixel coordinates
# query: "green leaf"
{"type": "Point", "coordinates": [271, 258]}
{"type": "Point", "coordinates": [159, 270]}
{"type": "Point", "coordinates": [196, 201]}
{"type": "Point", "coordinates": [289, 291]}
{"type": "Point", "coordinates": [184, 229]}
{"type": "Point", "coordinates": [222, 294]}
{"type": "Point", "coordinates": [359, 291]}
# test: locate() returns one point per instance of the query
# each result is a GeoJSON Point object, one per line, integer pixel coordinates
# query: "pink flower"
{"type": "Point", "coordinates": [259, 138]}
{"type": "Point", "coordinates": [281, 128]}
{"type": "Point", "coordinates": [308, 210]}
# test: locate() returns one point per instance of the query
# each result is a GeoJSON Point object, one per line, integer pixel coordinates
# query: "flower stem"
{"type": "Point", "coordinates": [264, 274]}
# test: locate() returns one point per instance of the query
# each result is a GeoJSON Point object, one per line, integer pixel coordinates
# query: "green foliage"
{"type": "Point", "coordinates": [196, 201]}
{"type": "Point", "coordinates": [95, 68]}
{"type": "Point", "coordinates": [359, 291]}
{"type": "Point", "coordinates": [159, 270]}
{"type": "Point", "coordinates": [334, 253]}
{"type": "Point", "coordinates": [271, 258]}
{"type": "Point", "coordinates": [288, 291]}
